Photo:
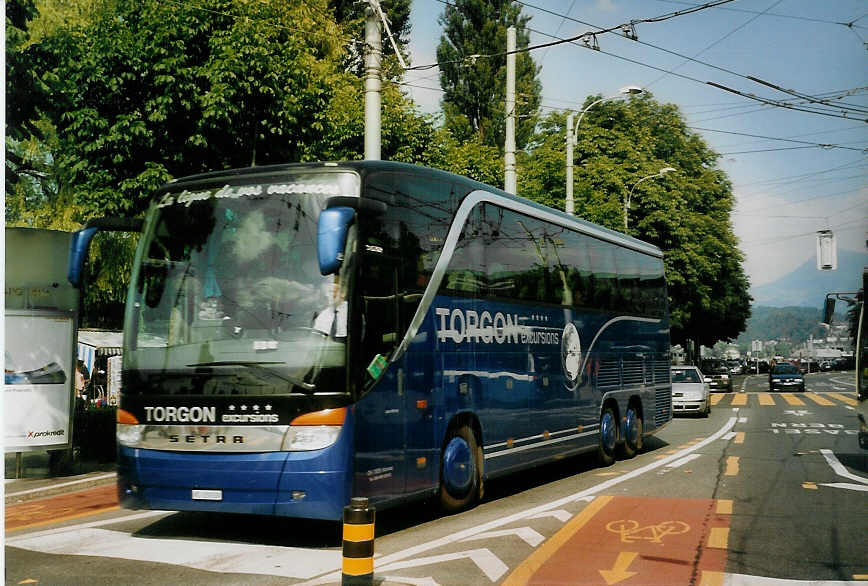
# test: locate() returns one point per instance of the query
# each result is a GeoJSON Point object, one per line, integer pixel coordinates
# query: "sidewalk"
{"type": "Point", "coordinates": [37, 482]}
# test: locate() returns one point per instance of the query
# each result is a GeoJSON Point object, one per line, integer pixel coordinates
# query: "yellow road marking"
{"type": "Point", "coordinates": [860, 576]}
{"type": "Point", "coordinates": [739, 437]}
{"type": "Point", "coordinates": [711, 578]}
{"type": "Point", "coordinates": [619, 571]}
{"type": "Point", "coordinates": [809, 485]}
{"type": "Point", "coordinates": [61, 519]}
{"type": "Point", "coordinates": [818, 399]}
{"type": "Point", "coordinates": [739, 400]}
{"type": "Point", "coordinates": [525, 571]}
{"type": "Point", "coordinates": [844, 399]}
{"type": "Point", "coordinates": [724, 507]}
{"type": "Point", "coordinates": [715, 399]}
{"type": "Point", "coordinates": [718, 537]}
{"type": "Point", "coordinates": [731, 466]}
{"type": "Point", "coordinates": [792, 399]}
{"type": "Point", "coordinates": [766, 399]}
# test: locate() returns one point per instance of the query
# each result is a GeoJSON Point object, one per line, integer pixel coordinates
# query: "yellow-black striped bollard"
{"type": "Point", "coordinates": [358, 551]}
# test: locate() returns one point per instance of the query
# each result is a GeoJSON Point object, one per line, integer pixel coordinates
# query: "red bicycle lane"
{"type": "Point", "coordinates": [632, 540]}
{"type": "Point", "coordinates": [62, 507]}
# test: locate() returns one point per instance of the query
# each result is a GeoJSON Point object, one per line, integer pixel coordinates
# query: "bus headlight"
{"type": "Point", "coordinates": [314, 431]}
{"type": "Point", "coordinates": [310, 437]}
{"type": "Point", "coordinates": [130, 436]}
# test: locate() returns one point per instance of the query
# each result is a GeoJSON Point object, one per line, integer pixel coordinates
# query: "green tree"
{"type": "Point", "coordinates": [685, 213]}
{"type": "Point", "coordinates": [147, 91]}
{"type": "Point", "coordinates": [134, 93]}
{"type": "Point", "coordinates": [474, 89]}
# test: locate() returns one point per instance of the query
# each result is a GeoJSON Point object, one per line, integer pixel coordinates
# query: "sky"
{"type": "Point", "coordinates": [785, 191]}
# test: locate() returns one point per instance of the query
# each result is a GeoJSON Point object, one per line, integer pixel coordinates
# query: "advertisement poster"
{"type": "Point", "coordinates": [39, 376]}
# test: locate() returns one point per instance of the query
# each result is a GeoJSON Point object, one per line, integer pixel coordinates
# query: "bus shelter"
{"type": "Point", "coordinates": [40, 313]}
{"type": "Point", "coordinates": [99, 354]}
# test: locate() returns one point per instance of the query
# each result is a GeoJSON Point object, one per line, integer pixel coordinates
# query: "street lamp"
{"type": "Point", "coordinates": [660, 173]}
{"type": "Point", "coordinates": [571, 138]}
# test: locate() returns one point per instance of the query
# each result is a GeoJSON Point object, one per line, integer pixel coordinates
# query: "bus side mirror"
{"type": "Point", "coordinates": [80, 244]}
{"type": "Point", "coordinates": [78, 249]}
{"type": "Point", "coordinates": [331, 237]}
{"type": "Point", "coordinates": [828, 310]}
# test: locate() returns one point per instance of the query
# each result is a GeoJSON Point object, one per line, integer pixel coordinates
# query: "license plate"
{"type": "Point", "coordinates": [207, 495]}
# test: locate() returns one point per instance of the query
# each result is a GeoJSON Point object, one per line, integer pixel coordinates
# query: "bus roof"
{"type": "Point", "coordinates": [365, 167]}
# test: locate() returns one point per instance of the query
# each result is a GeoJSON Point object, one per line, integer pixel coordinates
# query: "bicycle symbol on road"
{"type": "Point", "coordinates": [631, 532]}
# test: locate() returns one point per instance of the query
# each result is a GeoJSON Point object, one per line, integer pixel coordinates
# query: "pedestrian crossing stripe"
{"type": "Point", "coordinates": [782, 399]}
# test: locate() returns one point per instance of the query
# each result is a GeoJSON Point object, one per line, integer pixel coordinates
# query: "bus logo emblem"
{"type": "Point", "coordinates": [571, 354]}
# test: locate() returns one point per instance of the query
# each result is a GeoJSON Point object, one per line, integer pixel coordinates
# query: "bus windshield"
{"type": "Point", "coordinates": [227, 296]}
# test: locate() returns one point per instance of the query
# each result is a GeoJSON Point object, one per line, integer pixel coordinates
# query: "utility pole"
{"type": "Point", "coordinates": [570, 206]}
{"type": "Point", "coordinates": [510, 180]}
{"type": "Point", "coordinates": [373, 62]}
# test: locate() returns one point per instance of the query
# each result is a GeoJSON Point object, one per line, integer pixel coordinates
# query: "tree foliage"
{"type": "Point", "coordinates": [474, 90]}
{"type": "Point", "coordinates": [685, 213]}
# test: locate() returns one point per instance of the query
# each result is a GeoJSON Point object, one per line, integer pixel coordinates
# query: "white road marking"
{"type": "Point", "coordinates": [742, 419]}
{"type": "Point", "coordinates": [684, 460]}
{"type": "Point", "coordinates": [490, 564]}
{"type": "Point", "coordinates": [427, 581]}
{"type": "Point", "coordinates": [846, 486]}
{"type": "Point", "coordinates": [530, 536]}
{"type": "Point", "coordinates": [728, 436]}
{"type": "Point", "coordinates": [213, 556]}
{"type": "Point", "coordinates": [561, 515]}
{"type": "Point", "coordinates": [839, 468]}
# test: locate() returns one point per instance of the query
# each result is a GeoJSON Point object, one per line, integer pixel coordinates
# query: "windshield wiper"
{"type": "Point", "coordinates": [259, 366]}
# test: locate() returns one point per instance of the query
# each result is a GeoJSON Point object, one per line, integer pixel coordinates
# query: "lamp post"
{"type": "Point", "coordinates": [660, 173]}
{"type": "Point", "coordinates": [571, 139]}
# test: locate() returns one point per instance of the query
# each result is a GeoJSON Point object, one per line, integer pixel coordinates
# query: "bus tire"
{"type": "Point", "coordinates": [460, 470]}
{"type": "Point", "coordinates": [608, 437]}
{"type": "Point", "coordinates": [632, 432]}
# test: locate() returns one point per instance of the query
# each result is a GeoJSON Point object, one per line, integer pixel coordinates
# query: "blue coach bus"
{"type": "Point", "coordinates": [299, 334]}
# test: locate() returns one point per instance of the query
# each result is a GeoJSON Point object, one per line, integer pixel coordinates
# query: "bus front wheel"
{"type": "Point", "coordinates": [460, 472]}
{"type": "Point", "coordinates": [608, 437]}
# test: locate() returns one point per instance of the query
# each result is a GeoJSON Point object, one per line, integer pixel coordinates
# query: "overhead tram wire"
{"type": "Point", "coordinates": [805, 142]}
{"type": "Point", "coordinates": [777, 103]}
{"type": "Point", "coordinates": [666, 72]}
{"type": "Point", "coordinates": [620, 28]}
{"type": "Point", "coordinates": [774, 14]}
{"type": "Point", "coordinates": [720, 40]}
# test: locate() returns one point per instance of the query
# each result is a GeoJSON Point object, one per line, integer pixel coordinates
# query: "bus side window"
{"type": "Point", "coordinates": [466, 272]}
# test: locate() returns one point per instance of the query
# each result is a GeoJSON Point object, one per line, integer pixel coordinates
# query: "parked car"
{"type": "Point", "coordinates": [689, 391]}
{"type": "Point", "coordinates": [826, 366]}
{"type": "Point", "coordinates": [786, 376]}
{"type": "Point", "coordinates": [717, 375]}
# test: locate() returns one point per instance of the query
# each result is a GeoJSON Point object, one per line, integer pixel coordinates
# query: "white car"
{"type": "Point", "coordinates": [689, 391]}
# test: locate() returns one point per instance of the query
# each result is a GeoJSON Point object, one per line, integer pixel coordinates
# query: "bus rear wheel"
{"type": "Point", "coordinates": [460, 470]}
{"type": "Point", "coordinates": [608, 437]}
{"type": "Point", "coordinates": [632, 433]}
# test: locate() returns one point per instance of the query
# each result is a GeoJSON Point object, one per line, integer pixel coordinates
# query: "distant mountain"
{"type": "Point", "coordinates": [807, 287]}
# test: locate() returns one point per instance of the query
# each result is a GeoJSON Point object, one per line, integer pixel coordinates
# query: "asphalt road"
{"type": "Point", "coordinates": [771, 487]}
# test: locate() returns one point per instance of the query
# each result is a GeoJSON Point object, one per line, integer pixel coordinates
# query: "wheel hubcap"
{"type": "Point", "coordinates": [458, 466]}
{"type": "Point", "coordinates": [607, 430]}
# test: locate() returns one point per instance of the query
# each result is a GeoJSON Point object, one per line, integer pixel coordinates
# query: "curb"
{"type": "Point", "coordinates": [51, 487]}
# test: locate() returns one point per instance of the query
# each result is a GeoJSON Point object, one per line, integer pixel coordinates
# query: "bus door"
{"type": "Point", "coordinates": [381, 410]}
